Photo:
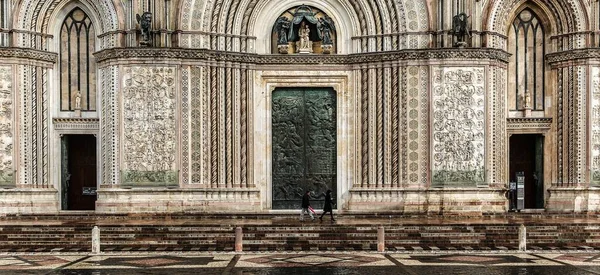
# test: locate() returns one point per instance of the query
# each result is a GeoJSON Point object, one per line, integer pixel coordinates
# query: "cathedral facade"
{"type": "Point", "coordinates": [241, 106]}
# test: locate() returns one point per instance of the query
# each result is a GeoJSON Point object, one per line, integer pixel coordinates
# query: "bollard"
{"type": "Point", "coordinates": [96, 240]}
{"type": "Point", "coordinates": [380, 239]}
{"type": "Point", "coordinates": [238, 239]}
{"type": "Point", "coordinates": [522, 238]}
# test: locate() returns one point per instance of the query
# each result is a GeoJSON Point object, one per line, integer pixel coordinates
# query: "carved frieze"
{"type": "Point", "coordinates": [203, 54]}
{"type": "Point", "coordinates": [458, 137]}
{"type": "Point", "coordinates": [32, 54]}
{"type": "Point", "coordinates": [6, 127]}
{"type": "Point", "coordinates": [76, 123]}
{"type": "Point", "coordinates": [570, 55]}
{"type": "Point", "coordinates": [595, 125]}
{"type": "Point", "coordinates": [533, 123]}
{"type": "Point", "coordinates": [149, 126]}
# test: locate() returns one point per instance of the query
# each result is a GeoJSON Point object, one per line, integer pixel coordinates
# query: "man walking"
{"type": "Point", "coordinates": [305, 206]}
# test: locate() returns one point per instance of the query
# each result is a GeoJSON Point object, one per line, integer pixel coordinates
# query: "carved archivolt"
{"type": "Point", "coordinates": [149, 125]}
{"type": "Point", "coordinates": [458, 137]}
{"type": "Point", "coordinates": [6, 129]}
{"type": "Point", "coordinates": [237, 22]}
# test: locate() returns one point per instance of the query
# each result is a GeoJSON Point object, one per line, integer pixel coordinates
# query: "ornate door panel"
{"type": "Point", "coordinates": [304, 145]}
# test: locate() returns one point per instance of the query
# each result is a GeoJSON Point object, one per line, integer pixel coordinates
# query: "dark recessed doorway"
{"type": "Point", "coordinates": [527, 156]}
{"type": "Point", "coordinates": [78, 172]}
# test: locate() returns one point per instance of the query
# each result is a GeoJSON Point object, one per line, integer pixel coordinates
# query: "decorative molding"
{"type": "Point", "coordinates": [210, 55]}
{"type": "Point", "coordinates": [76, 123]}
{"type": "Point", "coordinates": [572, 55]}
{"type": "Point", "coordinates": [32, 54]}
{"type": "Point", "coordinates": [540, 123]}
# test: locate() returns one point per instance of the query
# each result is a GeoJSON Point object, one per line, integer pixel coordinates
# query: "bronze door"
{"type": "Point", "coordinates": [304, 151]}
{"type": "Point", "coordinates": [79, 172]}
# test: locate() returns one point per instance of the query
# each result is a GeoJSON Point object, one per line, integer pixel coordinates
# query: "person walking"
{"type": "Point", "coordinates": [328, 206]}
{"type": "Point", "coordinates": [305, 206]}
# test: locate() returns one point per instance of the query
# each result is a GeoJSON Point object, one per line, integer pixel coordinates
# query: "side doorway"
{"type": "Point", "coordinates": [78, 172]}
{"type": "Point", "coordinates": [527, 156]}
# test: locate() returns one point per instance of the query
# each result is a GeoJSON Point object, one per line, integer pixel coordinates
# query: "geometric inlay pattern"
{"type": "Point", "coordinates": [472, 259]}
{"type": "Point", "coordinates": [157, 261]}
{"type": "Point", "coordinates": [21, 262]}
{"type": "Point", "coordinates": [304, 260]}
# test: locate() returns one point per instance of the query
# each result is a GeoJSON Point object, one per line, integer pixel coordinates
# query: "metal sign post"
{"type": "Point", "coordinates": [520, 190]}
{"type": "Point", "coordinates": [512, 196]}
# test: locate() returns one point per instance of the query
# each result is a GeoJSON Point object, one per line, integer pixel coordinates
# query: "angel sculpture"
{"type": "Point", "coordinates": [282, 25]}
{"type": "Point", "coordinates": [145, 20]}
{"type": "Point", "coordinates": [326, 26]}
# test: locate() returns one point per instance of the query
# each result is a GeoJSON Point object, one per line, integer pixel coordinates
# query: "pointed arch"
{"type": "Point", "coordinates": [42, 17]}
{"type": "Point", "coordinates": [527, 43]}
{"type": "Point", "coordinates": [563, 17]}
{"type": "Point", "coordinates": [77, 65]}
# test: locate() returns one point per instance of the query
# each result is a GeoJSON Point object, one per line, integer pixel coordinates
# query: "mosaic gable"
{"type": "Point", "coordinates": [458, 138]}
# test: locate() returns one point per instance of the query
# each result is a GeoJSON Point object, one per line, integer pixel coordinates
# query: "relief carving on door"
{"type": "Point", "coordinates": [304, 145]}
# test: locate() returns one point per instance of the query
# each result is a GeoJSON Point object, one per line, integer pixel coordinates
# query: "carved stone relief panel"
{"type": "Point", "coordinates": [6, 127]}
{"type": "Point", "coordinates": [458, 137]}
{"type": "Point", "coordinates": [149, 126]}
{"type": "Point", "coordinates": [595, 126]}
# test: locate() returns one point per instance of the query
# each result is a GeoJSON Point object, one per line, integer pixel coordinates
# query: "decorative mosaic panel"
{"type": "Point", "coordinates": [110, 113]}
{"type": "Point", "coordinates": [6, 127]}
{"type": "Point", "coordinates": [595, 126]}
{"type": "Point", "coordinates": [580, 105]}
{"type": "Point", "coordinates": [458, 137]}
{"type": "Point", "coordinates": [412, 83]}
{"type": "Point", "coordinates": [149, 126]}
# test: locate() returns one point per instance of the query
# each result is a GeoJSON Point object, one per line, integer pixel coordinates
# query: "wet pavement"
{"type": "Point", "coordinates": [493, 262]}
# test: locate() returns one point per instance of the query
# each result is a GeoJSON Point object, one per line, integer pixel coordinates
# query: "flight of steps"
{"type": "Point", "coordinates": [72, 233]}
{"type": "Point", "coordinates": [45, 238]}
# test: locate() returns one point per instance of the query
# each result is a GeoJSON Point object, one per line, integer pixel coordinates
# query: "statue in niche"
{"type": "Point", "coordinates": [305, 43]}
{"type": "Point", "coordinates": [282, 26]}
{"type": "Point", "coordinates": [527, 100]}
{"type": "Point", "coordinates": [304, 29]}
{"type": "Point", "coordinates": [145, 21]}
{"type": "Point", "coordinates": [459, 29]}
{"type": "Point", "coordinates": [326, 26]}
{"type": "Point", "coordinates": [78, 100]}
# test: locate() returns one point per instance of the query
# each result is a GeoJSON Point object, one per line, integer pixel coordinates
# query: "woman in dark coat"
{"type": "Point", "coordinates": [327, 207]}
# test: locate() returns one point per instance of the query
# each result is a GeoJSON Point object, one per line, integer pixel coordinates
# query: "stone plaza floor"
{"type": "Point", "coordinates": [492, 262]}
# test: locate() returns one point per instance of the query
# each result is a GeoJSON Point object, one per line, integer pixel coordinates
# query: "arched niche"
{"type": "Point", "coordinates": [304, 29]}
